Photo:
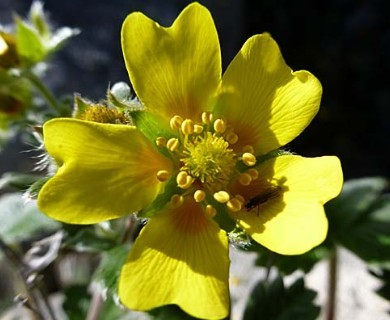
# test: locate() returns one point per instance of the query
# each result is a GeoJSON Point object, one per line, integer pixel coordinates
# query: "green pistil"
{"type": "Point", "coordinates": [208, 158]}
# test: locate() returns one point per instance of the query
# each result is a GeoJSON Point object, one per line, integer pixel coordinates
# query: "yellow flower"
{"type": "Point", "coordinates": [198, 156]}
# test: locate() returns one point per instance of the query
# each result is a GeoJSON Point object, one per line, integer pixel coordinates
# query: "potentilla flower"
{"type": "Point", "coordinates": [199, 161]}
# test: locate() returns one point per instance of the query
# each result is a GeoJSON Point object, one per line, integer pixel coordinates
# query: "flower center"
{"type": "Point", "coordinates": [208, 158]}
{"type": "Point", "coordinates": [207, 162]}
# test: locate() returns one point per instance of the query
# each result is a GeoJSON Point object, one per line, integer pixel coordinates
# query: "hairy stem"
{"type": "Point", "coordinates": [43, 90]}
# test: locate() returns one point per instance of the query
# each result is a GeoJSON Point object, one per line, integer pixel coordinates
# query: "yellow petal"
{"type": "Point", "coordinates": [180, 257]}
{"type": "Point", "coordinates": [174, 70]}
{"type": "Point", "coordinates": [267, 104]}
{"type": "Point", "coordinates": [105, 171]}
{"type": "Point", "coordinates": [294, 222]}
{"type": "Point", "coordinates": [3, 45]}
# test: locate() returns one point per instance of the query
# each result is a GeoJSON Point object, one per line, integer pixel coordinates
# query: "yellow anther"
{"type": "Point", "coordinates": [222, 196]}
{"type": "Point", "coordinates": [161, 142]}
{"type": "Point", "coordinates": [210, 211]}
{"type": "Point", "coordinates": [231, 137]}
{"type": "Point", "coordinates": [175, 122]}
{"type": "Point", "coordinates": [219, 126]}
{"type": "Point", "coordinates": [177, 200]}
{"type": "Point", "coordinates": [184, 180]}
{"type": "Point", "coordinates": [234, 205]}
{"type": "Point", "coordinates": [199, 195]}
{"type": "Point", "coordinates": [245, 179]}
{"type": "Point", "coordinates": [248, 148]}
{"type": "Point", "coordinates": [207, 117]}
{"type": "Point", "coordinates": [187, 126]}
{"type": "Point", "coordinates": [163, 175]}
{"type": "Point", "coordinates": [181, 177]}
{"type": "Point", "coordinates": [253, 173]}
{"type": "Point", "coordinates": [240, 198]}
{"type": "Point", "coordinates": [172, 144]}
{"type": "Point", "coordinates": [189, 182]}
{"type": "Point", "coordinates": [249, 159]}
{"type": "Point", "coordinates": [198, 129]}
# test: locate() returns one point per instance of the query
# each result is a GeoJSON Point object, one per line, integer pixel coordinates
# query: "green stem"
{"type": "Point", "coordinates": [43, 90]}
{"type": "Point", "coordinates": [332, 285]}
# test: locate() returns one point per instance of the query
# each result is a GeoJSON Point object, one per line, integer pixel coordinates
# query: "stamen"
{"type": "Point", "coordinates": [163, 175]}
{"type": "Point", "coordinates": [219, 126]}
{"type": "Point", "coordinates": [198, 129]}
{"type": "Point", "coordinates": [210, 211]}
{"type": "Point", "coordinates": [240, 198]}
{"type": "Point", "coordinates": [222, 196]}
{"type": "Point", "coordinates": [207, 117]}
{"type": "Point", "coordinates": [234, 205]}
{"type": "Point", "coordinates": [245, 179]}
{"type": "Point", "coordinates": [175, 122]}
{"type": "Point", "coordinates": [248, 148]}
{"type": "Point", "coordinates": [172, 144]}
{"type": "Point", "coordinates": [253, 173]}
{"type": "Point", "coordinates": [231, 137]}
{"type": "Point", "coordinates": [184, 180]}
{"type": "Point", "coordinates": [177, 200]}
{"type": "Point", "coordinates": [187, 126]}
{"type": "Point", "coordinates": [249, 159]}
{"type": "Point", "coordinates": [199, 195]}
{"type": "Point", "coordinates": [161, 142]}
{"type": "Point", "coordinates": [181, 177]}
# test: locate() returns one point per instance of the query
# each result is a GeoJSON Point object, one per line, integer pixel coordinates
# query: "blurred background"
{"type": "Point", "coordinates": [345, 43]}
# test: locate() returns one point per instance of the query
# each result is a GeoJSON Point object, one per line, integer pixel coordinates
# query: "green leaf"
{"type": "Point", "coordinates": [107, 273]}
{"type": "Point", "coordinates": [273, 301]}
{"type": "Point", "coordinates": [289, 264]}
{"type": "Point", "coordinates": [171, 312]}
{"type": "Point", "coordinates": [20, 220]}
{"type": "Point", "coordinates": [29, 43]}
{"type": "Point", "coordinates": [359, 219]}
{"type": "Point", "coordinates": [76, 304]}
{"type": "Point", "coordinates": [383, 274]}
{"type": "Point", "coordinates": [86, 239]}
{"type": "Point", "coordinates": [19, 181]}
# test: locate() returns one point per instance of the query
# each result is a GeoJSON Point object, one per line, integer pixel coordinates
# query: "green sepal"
{"type": "Point", "coordinates": [121, 97]}
{"type": "Point", "coordinates": [29, 43]}
{"type": "Point", "coordinates": [162, 199]}
{"type": "Point", "coordinates": [80, 104]}
{"type": "Point", "coordinates": [272, 300]}
{"type": "Point", "coordinates": [33, 191]}
{"type": "Point", "coordinates": [38, 19]}
{"type": "Point", "coordinates": [18, 181]}
{"type": "Point", "coordinates": [151, 126]}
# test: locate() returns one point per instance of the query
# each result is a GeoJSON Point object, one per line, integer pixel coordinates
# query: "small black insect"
{"type": "Point", "coordinates": [268, 194]}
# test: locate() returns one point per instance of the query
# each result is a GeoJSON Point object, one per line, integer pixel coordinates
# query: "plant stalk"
{"type": "Point", "coordinates": [332, 285]}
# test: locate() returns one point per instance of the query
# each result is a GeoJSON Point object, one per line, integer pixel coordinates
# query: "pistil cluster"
{"type": "Point", "coordinates": [207, 162]}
